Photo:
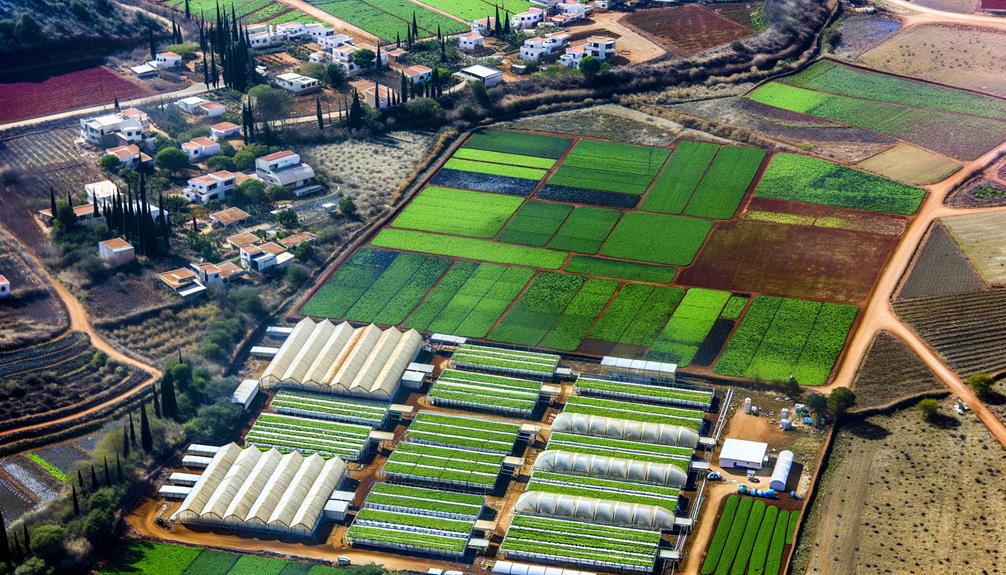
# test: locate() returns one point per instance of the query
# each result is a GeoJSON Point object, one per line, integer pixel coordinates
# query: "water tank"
{"type": "Point", "coordinates": [786, 425]}
{"type": "Point", "coordinates": [747, 405]}
{"type": "Point", "coordinates": [780, 474]}
{"type": "Point", "coordinates": [784, 414]}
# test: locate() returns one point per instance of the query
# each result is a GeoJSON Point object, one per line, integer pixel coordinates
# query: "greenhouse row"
{"type": "Point", "coordinates": [690, 418]}
{"type": "Point", "coordinates": [607, 489]}
{"type": "Point", "coordinates": [443, 466]}
{"type": "Point", "coordinates": [590, 385]}
{"type": "Point", "coordinates": [484, 392]}
{"type": "Point", "coordinates": [409, 541]}
{"type": "Point", "coordinates": [506, 361]}
{"type": "Point", "coordinates": [331, 407]}
{"type": "Point", "coordinates": [290, 433]}
{"type": "Point", "coordinates": [423, 501]}
{"type": "Point", "coordinates": [600, 547]}
{"type": "Point", "coordinates": [478, 434]}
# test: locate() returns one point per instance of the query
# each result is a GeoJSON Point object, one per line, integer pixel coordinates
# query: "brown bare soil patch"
{"type": "Point", "coordinates": [902, 495]}
{"type": "Point", "coordinates": [31, 314]}
{"type": "Point", "coordinates": [964, 56]}
{"type": "Point", "coordinates": [860, 32]}
{"type": "Point", "coordinates": [978, 193]}
{"type": "Point", "coordinates": [687, 29]}
{"type": "Point", "coordinates": [789, 260]}
{"type": "Point", "coordinates": [830, 217]}
{"type": "Point", "coordinates": [959, 6]}
{"type": "Point", "coordinates": [891, 371]}
{"type": "Point", "coordinates": [910, 164]}
{"type": "Point", "coordinates": [980, 238]}
{"type": "Point", "coordinates": [940, 268]}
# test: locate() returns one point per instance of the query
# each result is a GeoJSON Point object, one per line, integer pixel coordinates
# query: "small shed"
{"type": "Point", "coordinates": [245, 394]}
{"type": "Point", "coordinates": [780, 473]}
{"type": "Point", "coordinates": [116, 252]}
{"type": "Point", "coordinates": [174, 491]}
{"type": "Point", "coordinates": [200, 449]}
{"type": "Point", "coordinates": [335, 510]}
{"type": "Point", "coordinates": [184, 479]}
{"type": "Point", "coordinates": [742, 453]}
{"type": "Point", "coordinates": [479, 73]}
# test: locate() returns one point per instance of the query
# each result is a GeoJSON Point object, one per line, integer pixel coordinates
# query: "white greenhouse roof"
{"type": "Point", "coordinates": [780, 473]}
{"type": "Point", "coordinates": [513, 568]}
{"type": "Point", "coordinates": [615, 428]}
{"type": "Point", "coordinates": [265, 491]}
{"type": "Point", "coordinates": [595, 510]}
{"type": "Point", "coordinates": [245, 392]}
{"type": "Point", "coordinates": [743, 450]}
{"type": "Point", "coordinates": [363, 362]}
{"type": "Point", "coordinates": [639, 365]}
{"type": "Point", "coordinates": [604, 467]}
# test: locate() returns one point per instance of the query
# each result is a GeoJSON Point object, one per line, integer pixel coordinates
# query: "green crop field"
{"type": "Point", "coordinates": [145, 558]}
{"type": "Point", "coordinates": [585, 229]}
{"type": "Point", "coordinates": [611, 167]}
{"type": "Point", "coordinates": [570, 328]}
{"type": "Point", "coordinates": [637, 314]}
{"type": "Point", "coordinates": [535, 223]}
{"type": "Point", "coordinates": [478, 9]}
{"type": "Point", "coordinates": [689, 325]}
{"type": "Point", "coordinates": [745, 539]}
{"type": "Point", "coordinates": [504, 158]}
{"type": "Point", "coordinates": [683, 172]}
{"type": "Point", "coordinates": [399, 289]}
{"type": "Point", "coordinates": [806, 179]}
{"type": "Point", "coordinates": [621, 269]}
{"type": "Point", "coordinates": [468, 248]}
{"type": "Point", "coordinates": [783, 337]}
{"type": "Point", "coordinates": [461, 212]}
{"type": "Point", "coordinates": [208, 8]}
{"type": "Point", "coordinates": [508, 171]}
{"type": "Point", "coordinates": [656, 238]}
{"type": "Point", "coordinates": [726, 181]}
{"type": "Point", "coordinates": [519, 143]}
{"type": "Point", "coordinates": [539, 307]}
{"type": "Point", "coordinates": [389, 18]}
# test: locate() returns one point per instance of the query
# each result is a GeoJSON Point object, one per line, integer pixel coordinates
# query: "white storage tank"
{"type": "Point", "coordinates": [747, 405]}
{"type": "Point", "coordinates": [780, 474]}
{"type": "Point", "coordinates": [786, 425]}
{"type": "Point", "coordinates": [784, 414]}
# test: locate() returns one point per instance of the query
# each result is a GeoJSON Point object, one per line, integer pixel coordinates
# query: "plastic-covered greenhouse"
{"type": "Point", "coordinates": [363, 362]}
{"type": "Point", "coordinates": [262, 491]}
{"type": "Point", "coordinates": [595, 510]}
{"type": "Point", "coordinates": [610, 468]}
{"type": "Point", "coordinates": [602, 426]}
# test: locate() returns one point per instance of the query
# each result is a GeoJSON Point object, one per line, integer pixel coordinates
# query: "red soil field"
{"type": "Point", "coordinates": [790, 260]}
{"type": "Point", "coordinates": [62, 92]}
{"type": "Point", "coordinates": [687, 29]}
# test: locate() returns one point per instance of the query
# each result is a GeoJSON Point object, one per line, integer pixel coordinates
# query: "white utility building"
{"type": "Point", "coordinates": [742, 453]}
{"type": "Point", "coordinates": [363, 362]}
{"type": "Point", "coordinates": [248, 489]}
{"type": "Point", "coordinates": [780, 473]}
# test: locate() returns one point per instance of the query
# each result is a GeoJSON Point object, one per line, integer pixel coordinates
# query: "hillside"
{"type": "Point", "coordinates": [26, 25]}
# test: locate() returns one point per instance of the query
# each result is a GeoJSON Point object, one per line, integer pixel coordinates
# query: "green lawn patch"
{"type": "Point", "coordinates": [656, 238]}
{"type": "Point", "coordinates": [535, 223]}
{"type": "Point", "coordinates": [459, 212]}
{"type": "Point", "coordinates": [621, 269]}
{"type": "Point", "coordinates": [469, 248]}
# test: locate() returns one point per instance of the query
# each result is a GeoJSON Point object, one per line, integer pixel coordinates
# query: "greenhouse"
{"type": "Point", "coordinates": [327, 438]}
{"type": "Point", "coordinates": [318, 406]}
{"type": "Point", "coordinates": [603, 467]}
{"type": "Point", "coordinates": [443, 466]}
{"type": "Point", "coordinates": [617, 428]}
{"type": "Point", "coordinates": [363, 362]}
{"type": "Point", "coordinates": [595, 510]}
{"type": "Point", "coordinates": [247, 489]}
{"type": "Point", "coordinates": [485, 392]}
{"type": "Point", "coordinates": [477, 434]}
{"type": "Point", "coordinates": [689, 397]}
{"type": "Point", "coordinates": [506, 361]}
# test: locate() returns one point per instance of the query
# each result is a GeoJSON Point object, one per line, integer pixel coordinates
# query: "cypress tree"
{"type": "Point", "coordinates": [153, 43]}
{"type": "Point", "coordinates": [118, 468]}
{"type": "Point", "coordinates": [499, 23]}
{"type": "Point", "coordinates": [52, 201]}
{"type": "Point", "coordinates": [317, 110]}
{"type": "Point", "coordinates": [415, 27]}
{"type": "Point", "coordinates": [188, 14]}
{"type": "Point", "coordinates": [15, 551]}
{"type": "Point", "coordinates": [157, 403]}
{"type": "Point", "coordinates": [26, 537]}
{"type": "Point", "coordinates": [80, 481]}
{"type": "Point", "coordinates": [398, 39]}
{"type": "Point", "coordinates": [76, 504]}
{"type": "Point", "coordinates": [132, 430]}
{"type": "Point", "coordinates": [169, 403]}
{"type": "Point", "coordinates": [443, 50]}
{"type": "Point", "coordinates": [108, 476]}
{"type": "Point", "coordinates": [115, 103]}
{"type": "Point", "coordinates": [377, 95]}
{"type": "Point", "coordinates": [94, 209]}
{"type": "Point", "coordinates": [5, 554]}
{"type": "Point", "coordinates": [195, 228]}
{"type": "Point", "coordinates": [404, 88]}
{"type": "Point", "coordinates": [377, 60]}
{"type": "Point", "coordinates": [146, 440]}
{"type": "Point", "coordinates": [506, 24]}
{"type": "Point", "coordinates": [94, 479]}
{"type": "Point", "coordinates": [125, 441]}
{"type": "Point", "coordinates": [69, 198]}
{"type": "Point", "coordinates": [439, 37]}
{"type": "Point", "coordinates": [165, 224]}
{"type": "Point", "coordinates": [356, 112]}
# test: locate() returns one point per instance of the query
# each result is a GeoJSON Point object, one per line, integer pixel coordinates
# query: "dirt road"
{"type": "Point", "coordinates": [340, 26]}
{"type": "Point", "coordinates": [80, 321]}
{"type": "Point", "coordinates": [631, 44]}
{"type": "Point", "coordinates": [923, 13]}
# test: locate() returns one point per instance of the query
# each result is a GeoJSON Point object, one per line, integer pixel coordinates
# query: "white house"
{"type": "Point", "coordinates": [600, 47]}
{"type": "Point", "coordinates": [4, 286]}
{"type": "Point", "coordinates": [376, 96]}
{"type": "Point", "coordinates": [297, 83]}
{"type": "Point", "coordinates": [191, 104]}
{"type": "Point", "coordinates": [116, 252]}
{"type": "Point", "coordinates": [419, 74]}
{"type": "Point", "coordinates": [214, 186]}
{"type": "Point", "coordinates": [224, 130]}
{"type": "Point", "coordinates": [166, 60]}
{"type": "Point", "coordinates": [264, 40]}
{"type": "Point", "coordinates": [217, 274]}
{"type": "Point", "coordinates": [100, 192]}
{"type": "Point", "coordinates": [317, 31]}
{"type": "Point", "coordinates": [262, 257]}
{"type": "Point", "coordinates": [283, 169]}
{"type": "Point", "coordinates": [528, 19]}
{"type": "Point", "coordinates": [197, 148]}
{"type": "Point", "coordinates": [129, 156]}
{"type": "Point", "coordinates": [290, 30]}
{"type": "Point", "coordinates": [111, 130]}
{"type": "Point", "coordinates": [182, 281]}
{"type": "Point", "coordinates": [534, 48]}
{"type": "Point", "coordinates": [479, 73]}
{"type": "Point", "coordinates": [211, 109]}
{"type": "Point", "coordinates": [229, 217]}
{"type": "Point", "coordinates": [741, 453]}
{"type": "Point", "coordinates": [144, 71]}
{"type": "Point", "coordinates": [471, 41]}
{"type": "Point", "coordinates": [334, 41]}
{"type": "Point", "coordinates": [482, 25]}
{"type": "Point", "coordinates": [317, 56]}
{"type": "Point", "coordinates": [344, 56]}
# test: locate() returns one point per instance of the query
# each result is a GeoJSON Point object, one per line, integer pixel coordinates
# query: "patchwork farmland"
{"type": "Point", "coordinates": [581, 245]}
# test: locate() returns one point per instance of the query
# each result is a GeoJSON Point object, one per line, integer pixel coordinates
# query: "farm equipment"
{"type": "Point", "coordinates": [764, 493]}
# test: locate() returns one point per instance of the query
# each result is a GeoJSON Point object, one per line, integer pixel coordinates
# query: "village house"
{"type": "Point", "coordinates": [295, 240]}
{"type": "Point", "coordinates": [166, 60]}
{"type": "Point", "coordinates": [528, 19]}
{"type": "Point", "coordinates": [600, 47]}
{"type": "Point", "coordinates": [144, 71]}
{"type": "Point", "coordinates": [418, 74]}
{"type": "Point", "coordinates": [264, 40]}
{"type": "Point", "coordinates": [116, 252]}
{"type": "Point", "coordinates": [290, 30]}
{"type": "Point", "coordinates": [183, 281]}
{"type": "Point", "coordinates": [211, 109]}
{"type": "Point", "coordinates": [334, 41]}
{"type": "Point", "coordinates": [217, 274]}
{"type": "Point", "coordinates": [4, 286]}
{"type": "Point", "coordinates": [471, 41]}
{"type": "Point", "coordinates": [197, 148]}
{"type": "Point", "coordinates": [229, 217]}
{"type": "Point", "coordinates": [297, 83]}
{"type": "Point", "coordinates": [343, 55]}
{"type": "Point", "coordinates": [191, 104]}
{"type": "Point", "coordinates": [483, 26]}
{"type": "Point", "coordinates": [534, 48]}
{"type": "Point", "coordinates": [100, 192]}
{"type": "Point", "coordinates": [377, 96]}
{"type": "Point", "coordinates": [284, 169]}
{"type": "Point", "coordinates": [129, 156]}
{"type": "Point", "coordinates": [112, 130]}
{"type": "Point", "coordinates": [238, 241]}
{"type": "Point", "coordinates": [569, 12]}
{"type": "Point", "coordinates": [317, 56]}
{"type": "Point", "coordinates": [138, 115]}
{"type": "Point", "coordinates": [213, 186]}
{"type": "Point", "coordinates": [265, 256]}
{"type": "Point", "coordinates": [83, 212]}
{"type": "Point", "coordinates": [479, 73]}
{"type": "Point", "coordinates": [224, 130]}
{"type": "Point", "coordinates": [317, 31]}
{"type": "Point", "coordinates": [394, 54]}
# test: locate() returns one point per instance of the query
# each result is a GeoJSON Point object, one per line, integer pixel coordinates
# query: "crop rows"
{"type": "Point", "coordinates": [507, 171]}
{"type": "Point", "coordinates": [689, 418]}
{"type": "Point", "coordinates": [613, 489]}
{"type": "Point", "coordinates": [330, 407]}
{"type": "Point", "coordinates": [539, 308]}
{"type": "Point", "coordinates": [679, 178]}
{"type": "Point", "coordinates": [484, 392]}
{"type": "Point", "coordinates": [423, 501]}
{"type": "Point", "coordinates": [637, 314]}
{"type": "Point", "coordinates": [643, 236]}
{"type": "Point", "coordinates": [396, 538]}
{"type": "Point", "coordinates": [689, 325]}
{"type": "Point", "coordinates": [469, 248]}
{"type": "Point", "coordinates": [587, 385]}
{"type": "Point", "coordinates": [610, 167]}
{"type": "Point", "coordinates": [749, 538]}
{"type": "Point", "coordinates": [460, 212]}
{"type": "Point", "coordinates": [585, 230]}
{"type": "Point", "coordinates": [482, 182]}
{"type": "Point", "coordinates": [390, 19]}
{"type": "Point", "coordinates": [505, 158]}
{"type": "Point", "coordinates": [783, 337]}
{"type": "Point", "coordinates": [464, 432]}
{"type": "Point", "coordinates": [518, 143]}
{"type": "Point", "coordinates": [535, 223]}
{"type": "Point", "coordinates": [581, 543]}
{"type": "Point", "coordinates": [503, 360]}
{"type": "Point", "coordinates": [620, 269]}
{"type": "Point", "coordinates": [398, 290]}
{"type": "Point", "coordinates": [350, 282]}
{"type": "Point", "coordinates": [478, 9]}
{"type": "Point", "coordinates": [287, 433]}
{"type": "Point", "coordinates": [443, 466]}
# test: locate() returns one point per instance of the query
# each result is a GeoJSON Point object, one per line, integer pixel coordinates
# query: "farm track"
{"type": "Point", "coordinates": [80, 322]}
